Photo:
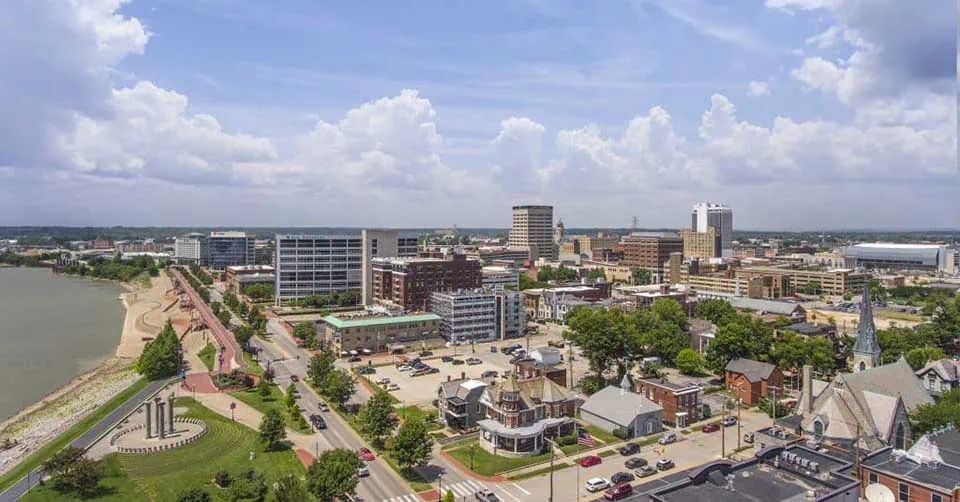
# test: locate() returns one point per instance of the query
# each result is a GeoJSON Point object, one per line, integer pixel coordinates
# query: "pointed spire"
{"type": "Point", "coordinates": [866, 331]}
{"type": "Point", "coordinates": [511, 384]}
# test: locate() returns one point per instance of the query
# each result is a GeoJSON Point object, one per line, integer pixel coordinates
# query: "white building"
{"type": "Point", "coordinates": [511, 317]}
{"type": "Point", "coordinates": [532, 230]}
{"type": "Point", "coordinates": [496, 278]}
{"type": "Point", "coordinates": [468, 314]}
{"type": "Point", "coordinates": [191, 249]}
{"type": "Point", "coordinates": [717, 216]}
{"type": "Point", "coordinates": [382, 243]}
{"type": "Point", "coordinates": [317, 265]}
{"type": "Point", "coordinates": [932, 257]}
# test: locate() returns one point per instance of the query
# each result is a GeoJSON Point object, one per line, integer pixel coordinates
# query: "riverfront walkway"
{"type": "Point", "coordinates": [232, 358]}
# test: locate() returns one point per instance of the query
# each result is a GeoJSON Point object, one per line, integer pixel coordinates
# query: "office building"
{"type": "Point", "coordinates": [491, 255]}
{"type": "Point", "coordinates": [532, 230]}
{"type": "Point", "coordinates": [240, 277]}
{"type": "Point", "coordinates": [382, 243]}
{"type": "Point", "coordinates": [408, 282]}
{"type": "Point", "coordinates": [650, 251]}
{"type": "Point", "coordinates": [829, 281]}
{"type": "Point", "coordinates": [309, 265]}
{"type": "Point", "coordinates": [511, 317]}
{"type": "Point", "coordinates": [191, 249]}
{"type": "Point", "coordinates": [382, 333]}
{"type": "Point", "coordinates": [717, 216]}
{"type": "Point", "coordinates": [929, 257]}
{"type": "Point", "coordinates": [226, 249]}
{"type": "Point", "coordinates": [497, 278]}
{"type": "Point", "coordinates": [702, 245]}
{"type": "Point", "coordinates": [467, 315]}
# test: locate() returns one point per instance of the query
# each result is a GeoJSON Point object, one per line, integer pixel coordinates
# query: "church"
{"type": "Point", "coordinates": [867, 408]}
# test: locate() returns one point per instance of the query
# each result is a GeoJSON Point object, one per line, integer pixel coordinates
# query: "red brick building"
{"type": "Point", "coordinates": [681, 403]}
{"type": "Point", "coordinates": [409, 282]}
{"type": "Point", "coordinates": [650, 251]}
{"type": "Point", "coordinates": [753, 380]}
{"type": "Point", "coordinates": [928, 472]}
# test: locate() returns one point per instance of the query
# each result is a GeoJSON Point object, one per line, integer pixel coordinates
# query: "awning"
{"type": "Point", "coordinates": [522, 432]}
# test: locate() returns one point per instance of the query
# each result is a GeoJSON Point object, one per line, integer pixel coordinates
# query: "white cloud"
{"type": "Point", "coordinates": [518, 149]}
{"type": "Point", "coordinates": [758, 88]}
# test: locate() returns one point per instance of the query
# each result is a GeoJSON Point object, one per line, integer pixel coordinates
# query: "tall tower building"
{"type": "Point", "coordinates": [866, 350]}
{"type": "Point", "coordinates": [382, 242]}
{"type": "Point", "coordinates": [533, 230]}
{"type": "Point", "coordinates": [717, 216]}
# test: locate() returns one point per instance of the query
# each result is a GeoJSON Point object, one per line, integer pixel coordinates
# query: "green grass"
{"type": "Point", "coordinates": [207, 355]}
{"type": "Point", "coordinates": [162, 476]}
{"type": "Point", "coordinates": [262, 404]}
{"type": "Point", "coordinates": [539, 472]}
{"type": "Point", "coordinates": [429, 417]}
{"type": "Point", "coordinates": [600, 434]}
{"type": "Point", "coordinates": [33, 461]}
{"type": "Point", "coordinates": [900, 316]}
{"type": "Point", "coordinates": [608, 453]}
{"type": "Point", "coordinates": [488, 464]}
{"type": "Point", "coordinates": [252, 366]}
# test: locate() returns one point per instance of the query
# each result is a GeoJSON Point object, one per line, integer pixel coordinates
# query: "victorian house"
{"type": "Point", "coordinates": [520, 414]}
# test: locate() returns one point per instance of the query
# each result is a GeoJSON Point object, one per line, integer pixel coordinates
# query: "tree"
{"type": "Point", "coordinates": [71, 472]}
{"type": "Point", "coordinates": [605, 336]}
{"type": "Point", "coordinates": [641, 276]}
{"type": "Point", "coordinates": [259, 291]}
{"type": "Point", "coordinates": [377, 418]}
{"type": "Point", "coordinates": [319, 367]}
{"type": "Point", "coordinates": [224, 316]}
{"type": "Point", "coordinates": [739, 336]}
{"type": "Point", "coordinates": [689, 362]}
{"type": "Point", "coordinates": [339, 387]}
{"type": "Point", "coordinates": [878, 294]}
{"type": "Point", "coordinates": [412, 444]}
{"type": "Point", "coordinates": [289, 488]}
{"type": "Point", "coordinates": [272, 428]}
{"type": "Point", "coordinates": [820, 354]}
{"type": "Point", "coordinates": [895, 342]}
{"type": "Point", "coordinates": [243, 334]}
{"type": "Point", "coordinates": [930, 417]}
{"type": "Point", "coordinates": [291, 396]}
{"type": "Point", "coordinates": [249, 486]}
{"type": "Point", "coordinates": [307, 332]}
{"type": "Point", "coordinates": [449, 497]}
{"type": "Point", "coordinates": [194, 495]}
{"type": "Point", "coordinates": [263, 388]}
{"type": "Point", "coordinates": [333, 474]}
{"type": "Point", "coordinates": [161, 356]}
{"type": "Point", "coordinates": [714, 310]}
{"type": "Point", "coordinates": [919, 357]}
{"type": "Point", "coordinates": [596, 273]}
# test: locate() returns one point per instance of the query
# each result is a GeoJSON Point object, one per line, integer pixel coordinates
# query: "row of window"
{"type": "Point", "coordinates": [903, 490]}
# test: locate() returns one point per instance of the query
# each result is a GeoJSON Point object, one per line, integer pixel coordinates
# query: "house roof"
{"type": "Point", "coordinates": [945, 368]}
{"type": "Point", "coordinates": [619, 406]}
{"type": "Point", "coordinates": [462, 389]}
{"type": "Point", "coordinates": [755, 371]}
{"type": "Point", "coordinates": [532, 391]}
{"type": "Point", "coordinates": [932, 461]}
{"type": "Point", "coordinates": [759, 305]}
{"type": "Point", "coordinates": [806, 328]}
{"type": "Point", "coordinates": [339, 323]}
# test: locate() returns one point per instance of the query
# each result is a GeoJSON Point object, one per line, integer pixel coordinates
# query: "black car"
{"type": "Point", "coordinates": [446, 359]}
{"type": "Point", "coordinates": [621, 477]}
{"type": "Point", "coordinates": [354, 359]}
{"type": "Point", "coordinates": [457, 361]}
{"type": "Point", "coordinates": [433, 370]}
{"type": "Point", "coordinates": [426, 353]}
{"type": "Point", "coordinates": [629, 449]}
{"type": "Point", "coordinates": [318, 422]}
{"type": "Point", "coordinates": [635, 463]}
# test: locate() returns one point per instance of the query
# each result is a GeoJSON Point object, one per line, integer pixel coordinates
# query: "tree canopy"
{"type": "Point", "coordinates": [377, 418]}
{"type": "Point", "coordinates": [412, 444]}
{"type": "Point", "coordinates": [161, 356]}
{"type": "Point", "coordinates": [339, 387]}
{"type": "Point", "coordinates": [561, 273]}
{"type": "Point", "coordinates": [272, 428]}
{"type": "Point", "coordinates": [333, 474]}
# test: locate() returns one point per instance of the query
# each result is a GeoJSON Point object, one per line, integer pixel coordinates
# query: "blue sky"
{"type": "Point", "coordinates": [798, 113]}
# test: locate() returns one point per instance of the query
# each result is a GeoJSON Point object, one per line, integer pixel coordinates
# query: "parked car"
{"type": "Point", "coordinates": [618, 491]}
{"type": "Point", "coordinates": [446, 359]}
{"type": "Point", "coordinates": [748, 438]}
{"type": "Point", "coordinates": [433, 370]}
{"type": "Point", "coordinates": [294, 378]}
{"type": "Point", "coordinates": [367, 455]}
{"type": "Point", "coordinates": [393, 386]}
{"type": "Point", "coordinates": [489, 374]}
{"type": "Point", "coordinates": [457, 362]}
{"type": "Point", "coordinates": [556, 343]}
{"type": "Point", "coordinates": [647, 470]}
{"type": "Point", "coordinates": [635, 462]}
{"type": "Point", "coordinates": [383, 380]}
{"type": "Point", "coordinates": [473, 361]}
{"type": "Point", "coordinates": [354, 359]}
{"type": "Point", "coordinates": [596, 484]}
{"type": "Point", "coordinates": [486, 496]}
{"type": "Point", "coordinates": [363, 471]}
{"type": "Point", "coordinates": [711, 427]}
{"type": "Point", "coordinates": [621, 477]}
{"type": "Point", "coordinates": [670, 437]}
{"type": "Point", "coordinates": [629, 449]}
{"type": "Point", "coordinates": [366, 370]}
{"type": "Point", "coordinates": [323, 406]}
{"type": "Point", "coordinates": [590, 461]}
{"type": "Point", "coordinates": [426, 353]}
{"type": "Point", "coordinates": [729, 420]}
{"type": "Point", "coordinates": [493, 349]}
{"type": "Point", "coordinates": [664, 464]}
{"type": "Point", "coordinates": [404, 367]}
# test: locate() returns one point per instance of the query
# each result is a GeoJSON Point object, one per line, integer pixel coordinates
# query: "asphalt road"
{"type": "Point", "coordinates": [87, 438]}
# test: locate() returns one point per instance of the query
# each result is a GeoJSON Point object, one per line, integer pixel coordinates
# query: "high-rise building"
{"type": "Point", "coordinates": [511, 317]}
{"type": "Point", "coordinates": [191, 249]}
{"type": "Point", "coordinates": [703, 245]}
{"type": "Point", "coordinates": [309, 265]}
{"type": "Point", "coordinates": [717, 216]}
{"type": "Point", "coordinates": [650, 251]}
{"type": "Point", "coordinates": [382, 243]}
{"type": "Point", "coordinates": [228, 249]}
{"type": "Point", "coordinates": [409, 282]}
{"type": "Point", "coordinates": [532, 230]}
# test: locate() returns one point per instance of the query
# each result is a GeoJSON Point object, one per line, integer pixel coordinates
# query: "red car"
{"type": "Point", "coordinates": [618, 491]}
{"type": "Point", "coordinates": [590, 461]}
{"type": "Point", "coordinates": [367, 454]}
{"type": "Point", "coordinates": [710, 427]}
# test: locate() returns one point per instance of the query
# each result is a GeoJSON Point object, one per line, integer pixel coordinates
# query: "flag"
{"type": "Point", "coordinates": [585, 439]}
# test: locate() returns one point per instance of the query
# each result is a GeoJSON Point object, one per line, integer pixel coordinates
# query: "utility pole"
{"type": "Point", "coordinates": [570, 362]}
{"type": "Point", "coordinates": [723, 441]}
{"type": "Point", "coordinates": [552, 456]}
{"type": "Point", "coordinates": [739, 407]}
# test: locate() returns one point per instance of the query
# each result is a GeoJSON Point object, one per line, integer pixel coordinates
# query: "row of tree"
{"type": "Point", "coordinates": [259, 291]}
{"type": "Point", "coordinates": [343, 299]}
{"type": "Point", "coordinates": [161, 356]}
{"type": "Point", "coordinates": [115, 269]}
{"type": "Point", "coordinates": [201, 274]}
{"type": "Point", "coordinates": [196, 285]}
{"type": "Point", "coordinates": [561, 273]}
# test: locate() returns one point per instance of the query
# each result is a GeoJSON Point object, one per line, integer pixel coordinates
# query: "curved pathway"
{"type": "Point", "coordinates": [232, 358]}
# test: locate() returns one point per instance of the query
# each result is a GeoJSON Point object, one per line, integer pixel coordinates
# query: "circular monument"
{"type": "Point", "coordinates": [158, 429]}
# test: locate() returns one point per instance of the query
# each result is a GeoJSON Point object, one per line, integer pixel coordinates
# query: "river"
{"type": "Point", "coordinates": [52, 328]}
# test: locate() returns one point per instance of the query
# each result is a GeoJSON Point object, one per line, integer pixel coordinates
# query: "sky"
{"type": "Point", "coordinates": [799, 114]}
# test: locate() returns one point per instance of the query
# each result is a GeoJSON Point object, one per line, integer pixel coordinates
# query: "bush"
{"type": "Point", "coordinates": [621, 433]}
{"type": "Point", "coordinates": [570, 439]}
{"type": "Point", "coordinates": [222, 478]}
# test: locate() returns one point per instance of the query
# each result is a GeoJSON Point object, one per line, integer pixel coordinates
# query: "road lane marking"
{"type": "Point", "coordinates": [460, 490]}
{"type": "Point", "coordinates": [476, 485]}
{"type": "Point", "coordinates": [518, 487]}
{"type": "Point", "coordinates": [505, 492]}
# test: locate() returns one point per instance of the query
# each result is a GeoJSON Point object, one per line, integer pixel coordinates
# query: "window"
{"type": "Point", "coordinates": [873, 478]}
{"type": "Point", "coordinates": [904, 495]}
{"type": "Point", "coordinates": [936, 497]}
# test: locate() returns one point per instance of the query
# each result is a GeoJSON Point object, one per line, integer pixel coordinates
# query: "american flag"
{"type": "Point", "coordinates": [585, 439]}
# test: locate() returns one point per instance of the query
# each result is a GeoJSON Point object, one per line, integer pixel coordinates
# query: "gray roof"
{"type": "Point", "coordinates": [945, 368]}
{"type": "Point", "coordinates": [619, 406]}
{"type": "Point", "coordinates": [866, 332]}
{"type": "Point", "coordinates": [753, 370]}
{"type": "Point", "coordinates": [771, 306]}
{"type": "Point", "coordinates": [933, 460]}
{"type": "Point", "coordinates": [806, 328]}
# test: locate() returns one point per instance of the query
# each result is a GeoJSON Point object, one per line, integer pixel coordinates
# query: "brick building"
{"type": "Point", "coordinates": [928, 472]}
{"type": "Point", "coordinates": [409, 282]}
{"type": "Point", "coordinates": [650, 251]}
{"type": "Point", "coordinates": [681, 403]}
{"type": "Point", "coordinates": [753, 380]}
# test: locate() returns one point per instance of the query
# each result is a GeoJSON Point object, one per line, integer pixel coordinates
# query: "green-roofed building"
{"type": "Point", "coordinates": [382, 333]}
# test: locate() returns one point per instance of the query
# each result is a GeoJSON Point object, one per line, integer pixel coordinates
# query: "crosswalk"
{"type": "Point", "coordinates": [462, 489]}
{"type": "Point", "coordinates": [404, 498]}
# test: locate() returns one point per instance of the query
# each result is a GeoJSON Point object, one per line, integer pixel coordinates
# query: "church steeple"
{"type": "Point", "coordinates": [866, 351]}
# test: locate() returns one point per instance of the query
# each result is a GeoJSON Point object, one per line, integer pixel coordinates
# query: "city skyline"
{"type": "Point", "coordinates": [799, 114]}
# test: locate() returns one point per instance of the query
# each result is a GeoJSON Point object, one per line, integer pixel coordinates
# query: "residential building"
{"type": "Point", "coordinates": [778, 473]}
{"type": "Point", "coordinates": [650, 251]}
{"type": "Point", "coordinates": [940, 376]}
{"type": "Point", "coordinates": [706, 215]}
{"type": "Point", "coordinates": [619, 408]}
{"type": "Point", "coordinates": [532, 230]}
{"type": "Point", "coordinates": [458, 403]}
{"type": "Point", "coordinates": [317, 265]}
{"type": "Point", "coordinates": [644, 296]}
{"type": "Point", "coordinates": [930, 257]}
{"type": "Point", "coordinates": [702, 333]}
{"type": "Point", "coordinates": [226, 249]}
{"type": "Point", "coordinates": [102, 243]}
{"type": "Point", "coordinates": [239, 277]}
{"type": "Point", "coordinates": [681, 404]}
{"type": "Point", "coordinates": [928, 471]}
{"type": "Point", "coordinates": [703, 245]}
{"type": "Point", "coordinates": [408, 282]}
{"type": "Point", "coordinates": [753, 380]}
{"type": "Point", "coordinates": [531, 368]}
{"type": "Point", "coordinates": [497, 278]}
{"type": "Point", "coordinates": [382, 243]}
{"type": "Point", "coordinates": [511, 317]}
{"type": "Point", "coordinates": [612, 272]}
{"type": "Point", "coordinates": [520, 414]}
{"type": "Point", "coordinates": [467, 315]}
{"type": "Point", "coordinates": [191, 249]}
{"type": "Point", "coordinates": [145, 246]}
{"type": "Point", "coordinates": [382, 333]}
{"type": "Point", "coordinates": [541, 303]}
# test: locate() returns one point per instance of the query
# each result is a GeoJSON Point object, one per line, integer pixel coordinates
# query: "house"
{"type": "Point", "coordinates": [702, 333]}
{"type": "Point", "coordinates": [518, 415]}
{"type": "Point", "coordinates": [458, 402]}
{"type": "Point", "coordinates": [614, 408]}
{"type": "Point", "coordinates": [546, 355]}
{"type": "Point", "coordinates": [527, 369]}
{"type": "Point", "coordinates": [940, 376]}
{"type": "Point", "coordinates": [752, 380]}
{"type": "Point", "coordinates": [681, 403]}
{"type": "Point", "coordinates": [928, 471]}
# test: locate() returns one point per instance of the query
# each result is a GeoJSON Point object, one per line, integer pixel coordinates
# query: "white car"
{"type": "Point", "coordinates": [363, 471]}
{"type": "Point", "coordinates": [383, 381]}
{"type": "Point", "coordinates": [667, 438]}
{"type": "Point", "coordinates": [393, 386]}
{"type": "Point", "coordinates": [596, 484]}
{"type": "Point", "coordinates": [404, 367]}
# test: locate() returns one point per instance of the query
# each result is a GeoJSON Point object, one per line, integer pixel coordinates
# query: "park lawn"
{"type": "Point", "coordinates": [539, 472]}
{"type": "Point", "coordinates": [253, 367]}
{"type": "Point", "coordinates": [412, 412]}
{"type": "Point", "coordinates": [160, 477]}
{"type": "Point", "coordinates": [488, 464]}
{"type": "Point", "coordinates": [207, 355]}
{"type": "Point", "coordinates": [276, 399]}
{"type": "Point", "coordinates": [34, 460]}
{"type": "Point", "coordinates": [608, 453]}
{"type": "Point", "coordinates": [900, 316]}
